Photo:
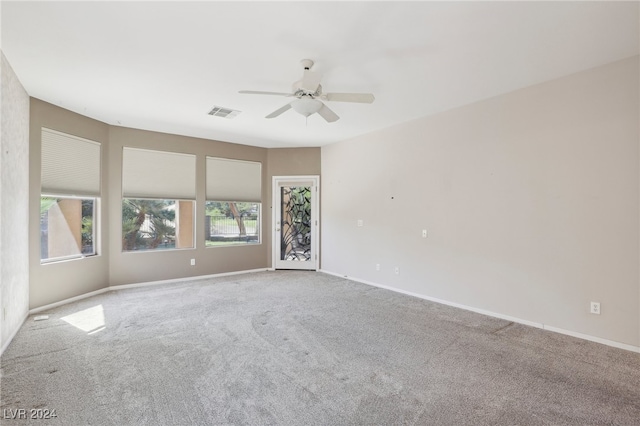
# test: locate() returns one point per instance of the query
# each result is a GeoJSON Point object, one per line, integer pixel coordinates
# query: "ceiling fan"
{"type": "Point", "coordinates": [308, 93]}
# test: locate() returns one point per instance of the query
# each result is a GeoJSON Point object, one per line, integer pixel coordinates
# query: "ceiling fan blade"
{"type": "Point", "coordinates": [364, 98]}
{"type": "Point", "coordinates": [279, 111]}
{"type": "Point", "coordinates": [327, 114]}
{"type": "Point", "coordinates": [310, 81]}
{"type": "Point", "coordinates": [258, 92]}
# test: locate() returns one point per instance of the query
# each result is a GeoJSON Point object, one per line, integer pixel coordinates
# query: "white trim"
{"type": "Point", "coordinates": [13, 334]}
{"type": "Point", "coordinates": [137, 285]}
{"type": "Point", "coordinates": [494, 314]}
{"type": "Point", "coordinates": [178, 280]}
{"type": "Point", "coordinates": [593, 338]}
{"type": "Point", "coordinates": [69, 300]}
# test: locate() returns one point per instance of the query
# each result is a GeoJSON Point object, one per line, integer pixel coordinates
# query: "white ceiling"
{"type": "Point", "coordinates": [162, 65]}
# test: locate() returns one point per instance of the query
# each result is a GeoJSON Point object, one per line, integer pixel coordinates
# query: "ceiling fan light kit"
{"type": "Point", "coordinates": [306, 106]}
{"type": "Point", "coordinates": [308, 92]}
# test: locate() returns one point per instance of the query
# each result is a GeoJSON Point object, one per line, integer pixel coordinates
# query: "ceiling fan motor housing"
{"type": "Point", "coordinates": [306, 64]}
{"type": "Point", "coordinates": [298, 91]}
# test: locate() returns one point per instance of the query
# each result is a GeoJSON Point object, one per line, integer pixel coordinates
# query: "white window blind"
{"type": "Point", "coordinates": [233, 180]}
{"type": "Point", "coordinates": [158, 174]}
{"type": "Point", "coordinates": [70, 165]}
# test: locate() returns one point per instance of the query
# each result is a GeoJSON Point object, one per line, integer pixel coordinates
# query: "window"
{"type": "Point", "coordinates": [229, 223]}
{"type": "Point", "coordinates": [157, 224]}
{"type": "Point", "coordinates": [158, 203]}
{"type": "Point", "coordinates": [233, 202]}
{"type": "Point", "coordinates": [66, 228]}
{"type": "Point", "coordinates": [70, 190]}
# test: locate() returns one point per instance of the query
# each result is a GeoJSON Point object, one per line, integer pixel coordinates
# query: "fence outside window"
{"type": "Point", "coordinates": [224, 229]}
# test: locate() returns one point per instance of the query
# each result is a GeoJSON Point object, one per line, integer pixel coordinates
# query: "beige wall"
{"type": "Point", "coordinates": [134, 267]}
{"type": "Point", "coordinates": [530, 199]}
{"type": "Point", "coordinates": [294, 161]}
{"type": "Point", "coordinates": [288, 162]}
{"type": "Point", "coordinates": [61, 280]}
{"type": "Point", "coordinates": [14, 195]}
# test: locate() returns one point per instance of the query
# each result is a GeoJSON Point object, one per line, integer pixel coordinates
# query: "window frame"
{"type": "Point", "coordinates": [95, 227]}
{"type": "Point", "coordinates": [237, 243]}
{"type": "Point", "coordinates": [176, 226]}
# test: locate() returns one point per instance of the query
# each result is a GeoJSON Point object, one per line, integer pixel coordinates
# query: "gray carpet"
{"type": "Point", "coordinates": [305, 348]}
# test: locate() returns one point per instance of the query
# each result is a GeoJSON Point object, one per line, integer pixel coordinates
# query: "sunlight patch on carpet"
{"type": "Point", "coordinates": [90, 320]}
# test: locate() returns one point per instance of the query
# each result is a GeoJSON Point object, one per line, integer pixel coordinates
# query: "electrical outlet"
{"type": "Point", "coordinates": [377, 266]}
{"type": "Point", "coordinates": [360, 222]}
{"type": "Point", "coordinates": [397, 270]}
{"type": "Point", "coordinates": [193, 262]}
{"type": "Point", "coordinates": [424, 233]}
{"type": "Point", "coordinates": [595, 308]}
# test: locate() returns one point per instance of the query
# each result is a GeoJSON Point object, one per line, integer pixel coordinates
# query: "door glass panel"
{"type": "Point", "coordinates": [295, 223]}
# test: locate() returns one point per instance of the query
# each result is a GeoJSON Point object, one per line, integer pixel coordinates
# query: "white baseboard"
{"type": "Point", "coordinates": [137, 285]}
{"type": "Point", "coordinates": [178, 280]}
{"type": "Point", "coordinates": [5, 345]}
{"type": "Point", "coordinates": [593, 338]}
{"type": "Point", "coordinates": [69, 300]}
{"type": "Point", "coordinates": [494, 314]}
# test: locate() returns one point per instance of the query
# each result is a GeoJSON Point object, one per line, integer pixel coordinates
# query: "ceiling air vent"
{"type": "Point", "coordinates": [217, 111]}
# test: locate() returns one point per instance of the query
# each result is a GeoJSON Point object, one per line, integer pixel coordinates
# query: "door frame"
{"type": "Point", "coordinates": [315, 215]}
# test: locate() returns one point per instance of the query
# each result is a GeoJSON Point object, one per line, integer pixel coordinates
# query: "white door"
{"type": "Point", "coordinates": [295, 222]}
